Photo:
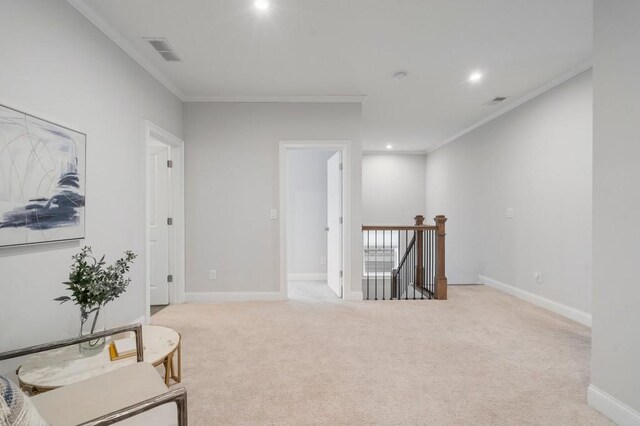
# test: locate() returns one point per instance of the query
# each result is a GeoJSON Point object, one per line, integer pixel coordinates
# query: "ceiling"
{"type": "Point", "coordinates": [340, 50]}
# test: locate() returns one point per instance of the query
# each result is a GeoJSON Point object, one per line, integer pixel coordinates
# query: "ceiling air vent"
{"type": "Point", "coordinates": [164, 49]}
{"type": "Point", "coordinates": [496, 100]}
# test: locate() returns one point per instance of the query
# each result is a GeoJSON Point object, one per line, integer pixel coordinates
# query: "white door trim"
{"type": "Point", "coordinates": [176, 210]}
{"type": "Point", "coordinates": [345, 148]}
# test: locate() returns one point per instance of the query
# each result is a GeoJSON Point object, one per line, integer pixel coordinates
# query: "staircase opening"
{"type": "Point", "coordinates": [404, 262]}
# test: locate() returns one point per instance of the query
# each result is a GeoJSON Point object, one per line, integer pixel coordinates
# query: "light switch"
{"type": "Point", "coordinates": [213, 274]}
{"type": "Point", "coordinates": [273, 214]}
{"type": "Point", "coordinates": [510, 213]}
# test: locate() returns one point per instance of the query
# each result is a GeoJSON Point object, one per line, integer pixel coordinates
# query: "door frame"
{"type": "Point", "coordinates": [176, 211]}
{"type": "Point", "coordinates": [344, 147]}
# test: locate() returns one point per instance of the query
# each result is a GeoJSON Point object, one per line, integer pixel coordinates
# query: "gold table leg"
{"type": "Point", "coordinates": [177, 377]}
{"type": "Point", "coordinates": [169, 369]}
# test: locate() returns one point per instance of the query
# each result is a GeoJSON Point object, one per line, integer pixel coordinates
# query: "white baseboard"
{"type": "Point", "coordinates": [574, 314]}
{"type": "Point", "coordinates": [307, 277]}
{"type": "Point", "coordinates": [617, 411]}
{"type": "Point", "coordinates": [204, 297]}
{"type": "Point", "coordinates": [355, 296]}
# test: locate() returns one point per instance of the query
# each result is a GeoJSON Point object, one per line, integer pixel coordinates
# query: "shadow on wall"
{"type": "Point", "coordinates": [40, 248]}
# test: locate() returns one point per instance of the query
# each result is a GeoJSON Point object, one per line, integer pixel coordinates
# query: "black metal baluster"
{"type": "Point", "coordinates": [384, 274]}
{"type": "Point", "coordinates": [406, 276]}
{"type": "Point", "coordinates": [409, 273]}
{"type": "Point", "coordinates": [366, 264]}
{"type": "Point", "coordinates": [394, 278]}
{"type": "Point", "coordinates": [416, 271]}
{"type": "Point", "coordinates": [410, 267]}
{"type": "Point", "coordinates": [426, 260]}
{"type": "Point", "coordinates": [429, 265]}
{"type": "Point", "coordinates": [375, 289]}
{"type": "Point", "coordinates": [413, 268]}
{"type": "Point", "coordinates": [398, 270]}
{"type": "Point", "coordinates": [424, 263]}
{"type": "Point", "coordinates": [406, 296]}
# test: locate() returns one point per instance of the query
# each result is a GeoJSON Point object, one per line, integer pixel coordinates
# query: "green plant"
{"type": "Point", "coordinates": [92, 284]}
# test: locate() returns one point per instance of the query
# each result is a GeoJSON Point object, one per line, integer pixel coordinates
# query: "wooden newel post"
{"type": "Point", "coordinates": [441, 278]}
{"type": "Point", "coordinates": [419, 253]}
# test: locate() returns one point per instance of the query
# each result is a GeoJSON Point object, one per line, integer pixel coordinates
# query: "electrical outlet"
{"type": "Point", "coordinates": [538, 277]}
{"type": "Point", "coordinates": [509, 213]}
{"type": "Point", "coordinates": [273, 214]}
{"type": "Point", "coordinates": [213, 274]}
{"type": "Point", "coordinates": [323, 260]}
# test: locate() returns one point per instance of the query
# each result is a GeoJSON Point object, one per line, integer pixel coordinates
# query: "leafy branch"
{"type": "Point", "coordinates": [92, 284]}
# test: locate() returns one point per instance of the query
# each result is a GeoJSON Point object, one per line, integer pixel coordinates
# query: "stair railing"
{"type": "Point", "coordinates": [405, 262]}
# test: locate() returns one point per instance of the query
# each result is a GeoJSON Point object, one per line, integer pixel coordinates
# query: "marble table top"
{"type": "Point", "coordinates": [61, 367]}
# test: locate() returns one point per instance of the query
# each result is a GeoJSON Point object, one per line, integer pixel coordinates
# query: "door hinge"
{"type": "Point", "coordinates": [169, 221]}
{"type": "Point", "coordinates": [169, 278]}
{"type": "Point", "coordinates": [340, 220]}
{"type": "Point", "coordinates": [340, 166]}
{"type": "Point", "coordinates": [169, 163]}
{"type": "Point", "coordinates": [341, 274]}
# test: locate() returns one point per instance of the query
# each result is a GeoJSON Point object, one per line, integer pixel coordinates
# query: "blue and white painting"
{"type": "Point", "coordinates": [42, 180]}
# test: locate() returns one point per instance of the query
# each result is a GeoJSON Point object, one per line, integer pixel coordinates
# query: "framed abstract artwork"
{"type": "Point", "coordinates": [42, 180]}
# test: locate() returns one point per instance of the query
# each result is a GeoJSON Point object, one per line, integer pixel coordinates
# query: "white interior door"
{"type": "Point", "coordinates": [334, 225]}
{"type": "Point", "coordinates": [159, 229]}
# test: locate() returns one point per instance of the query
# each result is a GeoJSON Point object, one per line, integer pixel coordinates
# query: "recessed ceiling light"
{"type": "Point", "coordinates": [261, 4]}
{"type": "Point", "coordinates": [389, 146]}
{"type": "Point", "coordinates": [475, 77]}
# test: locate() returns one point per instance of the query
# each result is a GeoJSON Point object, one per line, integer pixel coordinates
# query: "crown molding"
{"type": "Point", "coordinates": [535, 93]}
{"type": "Point", "coordinates": [279, 99]}
{"type": "Point", "coordinates": [86, 11]}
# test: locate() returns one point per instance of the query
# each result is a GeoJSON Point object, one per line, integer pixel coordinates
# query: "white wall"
{"type": "Point", "coordinates": [232, 155]}
{"type": "Point", "coordinates": [307, 213]}
{"type": "Point", "coordinates": [537, 160]}
{"type": "Point", "coordinates": [615, 370]}
{"type": "Point", "coordinates": [58, 66]}
{"type": "Point", "coordinates": [393, 189]}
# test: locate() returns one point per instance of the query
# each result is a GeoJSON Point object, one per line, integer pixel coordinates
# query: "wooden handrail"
{"type": "Point", "coordinates": [398, 227]}
{"type": "Point", "coordinates": [406, 254]}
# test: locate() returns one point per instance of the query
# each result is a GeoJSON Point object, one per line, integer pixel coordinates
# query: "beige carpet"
{"type": "Point", "coordinates": [480, 358]}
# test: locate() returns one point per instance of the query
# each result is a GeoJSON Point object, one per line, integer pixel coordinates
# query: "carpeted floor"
{"type": "Point", "coordinates": [481, 357]}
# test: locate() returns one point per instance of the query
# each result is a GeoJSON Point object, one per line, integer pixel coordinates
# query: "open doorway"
{"type": "Point", "coordinates": [165, 219]}
{"type": "Point", "coordinates": [312, 212]}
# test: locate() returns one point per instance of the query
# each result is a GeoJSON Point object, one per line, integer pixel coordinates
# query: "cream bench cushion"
{"type": "Point", "coordinates": [104, 394]}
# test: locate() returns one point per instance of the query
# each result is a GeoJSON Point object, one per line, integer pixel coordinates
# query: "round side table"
{"type": "Point", "coordinates": [60, 367]}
